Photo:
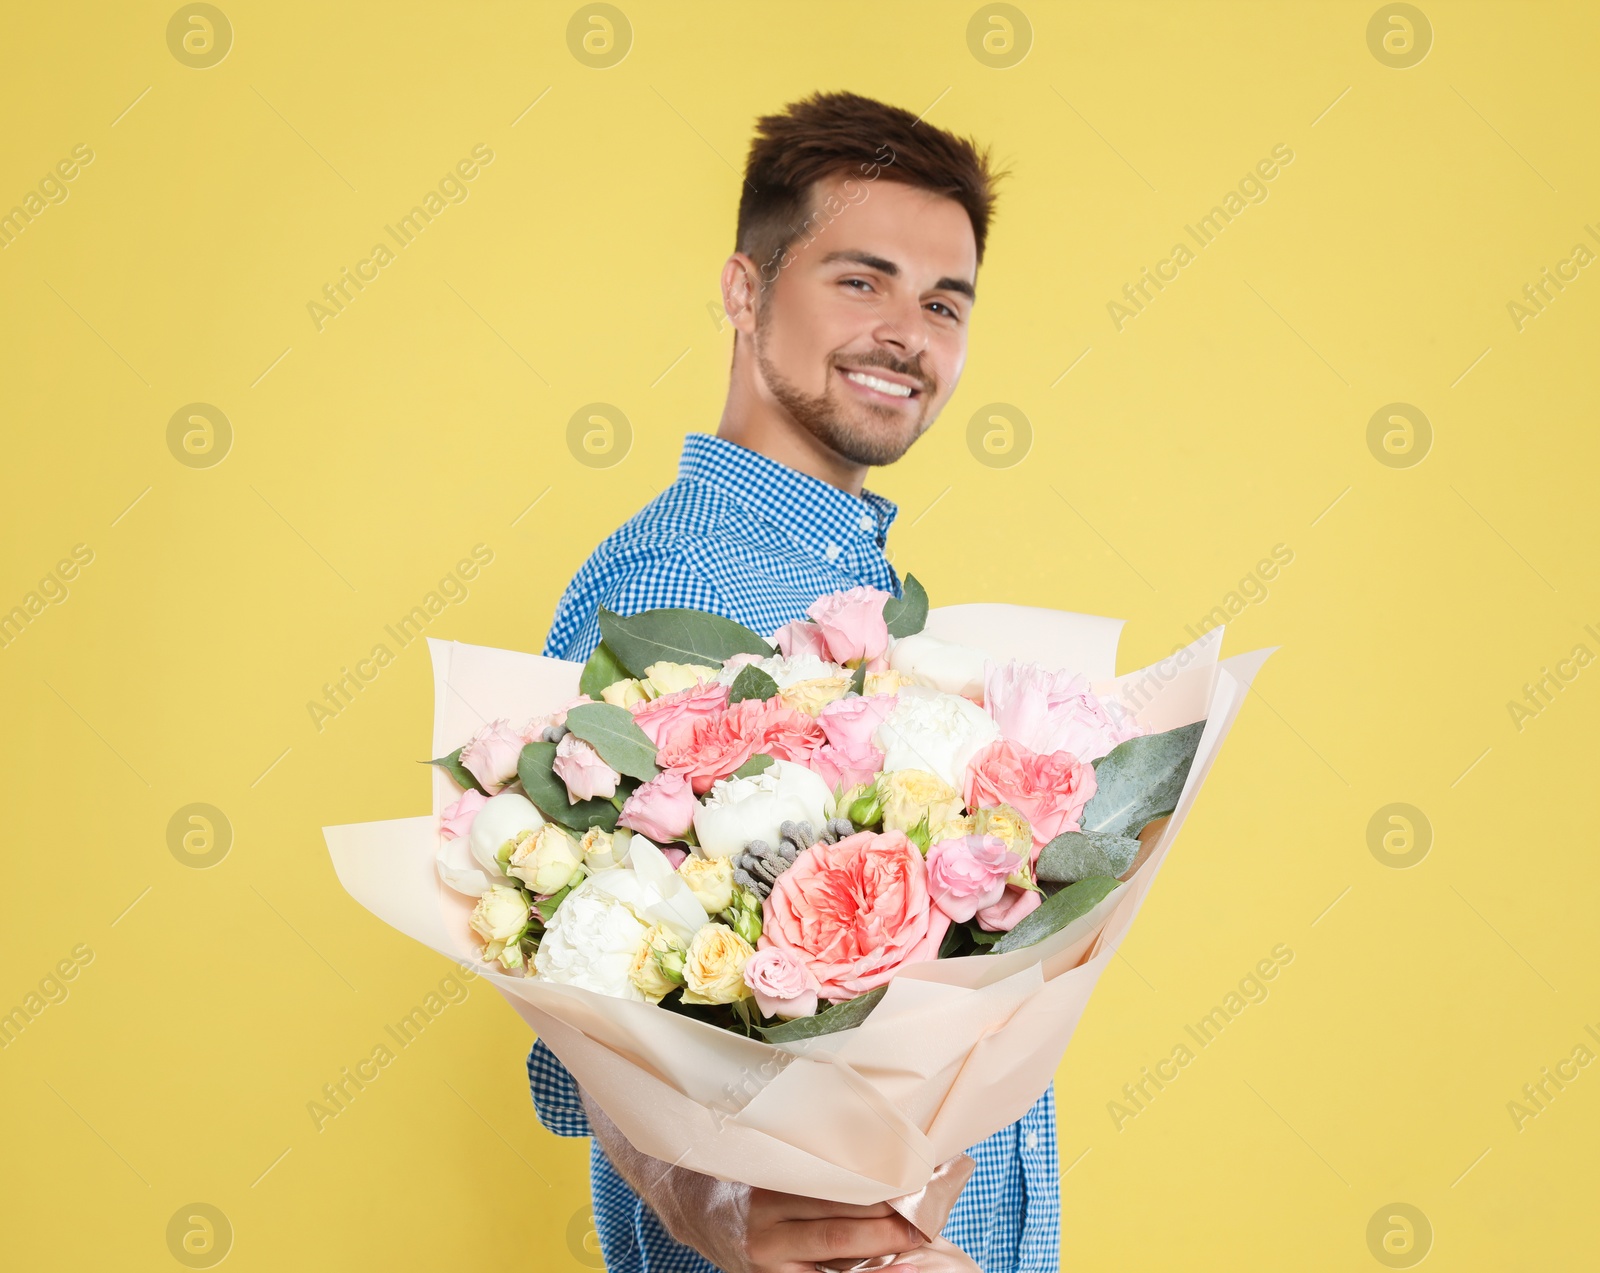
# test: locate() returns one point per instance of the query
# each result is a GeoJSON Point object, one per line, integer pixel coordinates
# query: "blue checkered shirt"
{"type": "Point", "coordinates": [744, 536]}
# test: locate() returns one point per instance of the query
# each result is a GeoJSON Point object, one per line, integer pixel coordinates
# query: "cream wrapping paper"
{"type": "Point", "coordinates": [955, 1050]}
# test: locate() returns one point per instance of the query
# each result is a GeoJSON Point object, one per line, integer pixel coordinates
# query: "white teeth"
{"type": "Point", "coordinates": [882, 386]}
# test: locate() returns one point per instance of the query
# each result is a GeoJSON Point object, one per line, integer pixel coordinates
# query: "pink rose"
{"type": "Point", "coordinates": [783, 986]}
{"type": "Point", "coordinates": [1048, 790]}
{"type": "Point", "coordinates": [579, 766]}
{"type": "Point", "coordinates": [842, 769]}
{"type": "Point", "coordinates": [850, 723]}
{"type": "Point", "coordinates": [661, 809]}
{"type": "Point", "coordinates": [716, 745]}
{"type": "Point", "coordinates": [801, 637]}
{"type": "Point", "coordinates": [790, 734]}
{"type": "Point", "coordinates": [852, 624]}
{"type": "Point", "coordinates": [1004, 915]}
{"type": "Point", "coordinates": [491, 757]}
{"type": "Point", "coordinates": [1055, 711]}
{"type": "Point", "coordinates": [968, 874]}
{"type": "Point", "coordinates": [673, 714]}
{"type": "Point", "coordinates": [456, 820]}
{"type": "Point", "coordinates": [854, 912]}
{"type": "Point", "coordinates": [675, 857]}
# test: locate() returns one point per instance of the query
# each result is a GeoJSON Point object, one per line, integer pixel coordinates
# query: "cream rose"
{"type": "Point", "coordinates": [657, 968]}
{"type": "Point", "coordinates": [713, 971]}
{"type": "Point", "coordinates": [624, 693]}
{"type": "Point", "coordinates": [812, 696]}
{"type": "Point", "coordinates": [546, 860]}
{"type": "Point", "coordinates": [669, 678]}
{"type": "Point", "coordinates": [499, 918]}
{"type": "Point", "coordinates": [907, 796]}
{"type": "Point", "coordinates": [710, 880]}
{"type": "Point", "coordinates": [604, 850]}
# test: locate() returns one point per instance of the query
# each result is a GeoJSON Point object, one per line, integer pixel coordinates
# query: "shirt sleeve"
{"type": "Point", "coordinates": [555, 1094]}
{"type": "Point", "coordinates": [651, 581]}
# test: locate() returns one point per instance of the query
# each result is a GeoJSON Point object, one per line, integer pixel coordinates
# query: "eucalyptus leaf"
{"type": "Point", "coordinates": [1140, 780]}
{"type": "Point", "coordinates": [612, 732]}
{"type": "Point", "coordinates": [676, 636]}
{"type": "Point", "coordinates": [603, 669]}
{"type": "Point", "coordinates": [549, 793]}
{"type": "Point", "coordinates": [547, 908]}
{"type": "Point", "coordinates": [1076, 855]}
{"type": "Point", "coordinates": [840, 1016]}
{"type": "Point", "coordinates": [756, 764]}
{"type": "Point", "coordinates": [751, 682]}
{"type": "Point", "coordinates": [459, 773]}
{"type": "Point", "coordinates": [906, 615]}
{"type": "Point", "coordinates": [1056, 913]}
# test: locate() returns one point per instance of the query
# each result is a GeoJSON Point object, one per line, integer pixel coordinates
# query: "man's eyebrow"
{"type": "Point", "coordinates": [893, 271]}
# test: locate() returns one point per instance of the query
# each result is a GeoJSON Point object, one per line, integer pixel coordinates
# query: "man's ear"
{"type": "Point", "coordinates": [741, 283]}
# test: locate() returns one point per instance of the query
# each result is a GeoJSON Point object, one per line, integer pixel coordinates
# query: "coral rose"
{"type": "Point", "coordinates": [1049, 790]}
{"type": "Point", "coordinates": [672, 715]}
{"type": "Point", "coordinates": [854, 913]}
{"type": "Point", "coordinates": [716, 745]}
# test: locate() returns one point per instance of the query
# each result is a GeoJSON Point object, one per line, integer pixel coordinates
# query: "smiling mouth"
{"type": "Point", "coordinates": [880, 387]}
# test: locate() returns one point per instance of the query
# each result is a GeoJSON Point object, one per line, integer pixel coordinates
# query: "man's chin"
{"type": "Point", "coordinates": [870, 439]}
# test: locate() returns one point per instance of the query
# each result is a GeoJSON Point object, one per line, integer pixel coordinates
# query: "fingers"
{"type": "Point", "coordinates": [836, 1238]}
{"type": "Point", "coordinates": [791, 1206]}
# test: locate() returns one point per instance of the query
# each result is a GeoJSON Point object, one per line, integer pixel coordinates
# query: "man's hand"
{"type": "Point", "coordinates": [746, 1230]}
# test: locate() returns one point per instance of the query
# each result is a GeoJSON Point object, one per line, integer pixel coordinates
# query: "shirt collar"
{"type": "Point", "coordinates": [833, 522]}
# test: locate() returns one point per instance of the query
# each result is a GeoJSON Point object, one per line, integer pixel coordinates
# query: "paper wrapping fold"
{"type": "Point", "coordinates": [956, 1049]}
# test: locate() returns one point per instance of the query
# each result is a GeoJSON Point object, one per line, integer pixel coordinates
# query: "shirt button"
{"type": "Point", "coordinates": [832, 551]}
{"type": "Point", "coordinates": [1032, 1140]}
{"type": "Point", "coordinates": [868, 522]}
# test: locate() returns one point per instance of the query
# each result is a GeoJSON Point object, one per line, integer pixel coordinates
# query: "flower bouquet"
{"type": "Point", "coordinates": [815, 912]}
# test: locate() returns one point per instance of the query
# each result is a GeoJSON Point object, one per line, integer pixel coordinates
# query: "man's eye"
{"type": "Point", "coordinates": [850, 282]}
{"type": "Point", "coordinates": [941, 305]}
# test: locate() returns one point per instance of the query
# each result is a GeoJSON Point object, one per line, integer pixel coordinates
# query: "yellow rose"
{"type": "Point", "coordinates": [624, 693]}
{"type": "Point", "coordinates": [909, 795]}
{"type": "Point", "coordinates": [710, 880]}
{"type": "Point", "coordinates": [659, 955]}
{"type": "Point", "coordinates": [890, 682]}
{"type": "Point", "coordinates": [713, 972]}
{"type": "Point", "coordinates": [1004, 821]}
{"type": "Point", "coordinates": [811, 697]}
{"type": "Point", "coordinates": [669, 678]}
{"type": "Point", "coordinates": [955, 828]}
{"type": "Point", "coordinates": [545, 860]}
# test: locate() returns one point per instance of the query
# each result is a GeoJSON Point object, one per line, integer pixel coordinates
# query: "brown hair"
{"type": "Point", "coordinates": [831, 134]}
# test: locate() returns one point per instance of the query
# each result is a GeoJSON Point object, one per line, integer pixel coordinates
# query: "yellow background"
{"type": "Point", "coordinates": [1229, 417]}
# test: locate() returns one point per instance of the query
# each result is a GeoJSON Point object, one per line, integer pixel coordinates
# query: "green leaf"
{"type": "Point", "coordinates": [1076, 855]}
{"type": "Point", "coordinates": [1140, 780]}
{"type": "Point", "coordinates": [547, 908]}
{"type": "Point", "coordinates": [549, 793]}
{"type": "Point", "coordinates": [840, 1016]}
{"type": "Point", "coordinates": [906, 615]}
{"type": "Point", "coordinates": [612, 732]}
{"type": "Point", "coordinates": [676, 636]}
{"type": "Point", "coordinates": [603, 669]}
{"type": "Point", "coordinates": [1056, 913]}
{"type": "Point", "coordinates": [753, 766]}
{"type": "Point", "coordinates": [858, 680]}
{"type": "Point", "coordinates": [459, 773]}
{"type": "Point", "coordinates": [751, 682]}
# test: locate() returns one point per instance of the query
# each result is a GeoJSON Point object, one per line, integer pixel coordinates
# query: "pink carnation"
{"type": "Point", "coordinates": [1048, 790]}
{"type": "Point", "coordinates": [1055, 711]}
{"type": "Point", "coordinates": [854, 913]}
{"type": "Point", "coordinates": [672, 715]}
{"type": "Point", "coordinates": [790, 734]}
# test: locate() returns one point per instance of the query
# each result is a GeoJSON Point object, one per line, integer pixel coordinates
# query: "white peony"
{"type": "Point", "coordinates": [936, 732]}
{"type": "Point", "coordinates": [945, 665]}
{"type": "Point", "coordinates": [592, 942]}
{"type": "Point", "coordinates": [652, 890]}
{"type": "Point", "coordinates": [469, 865]}
{"type": "Point", "coordinates": [738, 810]}
{"type": "Point", "coordinates": [786, 671]}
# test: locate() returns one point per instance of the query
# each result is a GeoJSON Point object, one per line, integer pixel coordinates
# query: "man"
{"type": "Point", "coordinates": [859, 238]}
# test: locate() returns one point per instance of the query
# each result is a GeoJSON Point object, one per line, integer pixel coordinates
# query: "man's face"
{"type": "Point", "coordinates": [863, 335]}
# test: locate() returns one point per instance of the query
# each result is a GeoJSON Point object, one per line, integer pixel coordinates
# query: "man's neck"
{"type": "Point", "coordinates": [786, 442]}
